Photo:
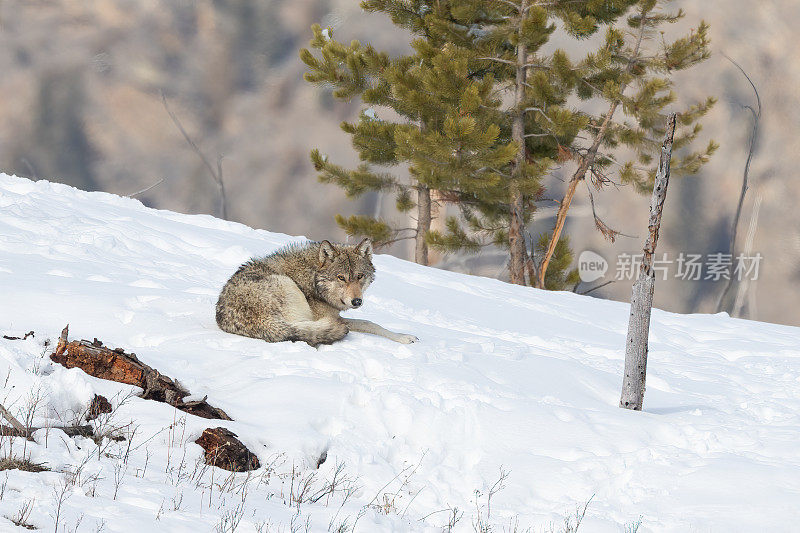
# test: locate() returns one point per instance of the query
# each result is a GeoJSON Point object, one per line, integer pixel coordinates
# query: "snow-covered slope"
{"type": "Point", "coordinates": [504, 378]}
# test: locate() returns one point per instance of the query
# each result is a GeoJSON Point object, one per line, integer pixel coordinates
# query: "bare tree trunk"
{"type": "Point", "coordinates": [423, 224]}
{"type": "Point", "coordinates": [438, 223]}
{"type": "Point", "coordinates": [516, 236]}
{"type": "Point", "coordinates": [561, 217]}
{"type": "Point", "coordinates": [642, 297]}
{"type": "Point", "coordinates": [516, 240]}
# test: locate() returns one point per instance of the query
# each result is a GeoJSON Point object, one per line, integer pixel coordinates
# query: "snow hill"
{"type": "Point", "coordinates": [505, 378]}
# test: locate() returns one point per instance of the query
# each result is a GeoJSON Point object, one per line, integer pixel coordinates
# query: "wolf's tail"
{"type": "Point", "coordinates": [322, 331]}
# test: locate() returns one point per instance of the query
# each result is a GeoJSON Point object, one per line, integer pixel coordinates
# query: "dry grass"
{"type": "Point", "coordinates": [21, 519]}
{"type": "Point", "coordinates": [26, 465]}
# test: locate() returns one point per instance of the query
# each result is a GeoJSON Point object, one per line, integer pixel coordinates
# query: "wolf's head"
{"type": "Point", "coordinates": [344, 273]}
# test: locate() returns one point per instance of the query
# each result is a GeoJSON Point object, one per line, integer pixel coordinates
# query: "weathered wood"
{"type": "Point", "coordinates": [116, 365]}
{"type": "Point", "coordinates": [13, 338]}
{"type": "Point", "coordinates": [17, 429]}
{"type": "Point", "coordinates": [5, 413]}
{"type": "Point", "coordinates": [224, 450]}
{"type": "Point", "coordinates": [633, 383]}
{"type": "Point", "coordinates": [71, 431]}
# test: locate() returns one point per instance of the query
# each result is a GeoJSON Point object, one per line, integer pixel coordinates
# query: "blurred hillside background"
{"type": "Point", "coordinates": [81, 104]}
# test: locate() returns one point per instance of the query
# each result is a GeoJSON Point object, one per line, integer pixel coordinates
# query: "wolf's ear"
{"type": "Point", "coordinates": [365, 248]}
{"type": "Point", "coordinates": [326, 252]}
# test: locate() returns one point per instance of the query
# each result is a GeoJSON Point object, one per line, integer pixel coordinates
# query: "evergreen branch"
{"type": "Point", "coordinates": [540, 110]}
{"type": "Point", "coordinates": [514, 63]}
{"type": "Point", "coordinates": [495, 170]}
{"type": "Point", "coordinates": [615, 162]}
{"type": "Point", "coordinates": [595, 89]}
{"type": "Point", "coordinates": [529, 135]}
{"type": "Point", "coordinates": [509, 3]}
{"type": "Point", "coordinates": [398, 239]}
{"type": "Point", "coordinates": [499, 60]}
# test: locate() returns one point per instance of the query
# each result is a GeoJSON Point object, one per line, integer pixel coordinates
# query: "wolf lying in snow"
{"type": "Point", "coordinates": [297, 293]}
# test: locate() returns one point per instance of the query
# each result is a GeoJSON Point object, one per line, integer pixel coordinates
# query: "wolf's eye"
{"type": "Point", "coordinates": [359, 275]}
{"type": "Point", "coordinates": [341, 278]}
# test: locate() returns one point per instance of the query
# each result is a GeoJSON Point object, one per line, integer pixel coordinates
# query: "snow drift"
{"type": "Point", "coordinates": [504, 379]}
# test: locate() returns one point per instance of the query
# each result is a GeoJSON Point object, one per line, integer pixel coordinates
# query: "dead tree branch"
{"type": "Point", "coordinates": [756, 113]}
{"type": "Point", "coordinates": [216, 174]}
{"type": "Point", "coordinates": [17, 429]}
{"type": "Point", "coordinates": [142, 191]}
{"type": "Point", "coordinates": [12, 420]}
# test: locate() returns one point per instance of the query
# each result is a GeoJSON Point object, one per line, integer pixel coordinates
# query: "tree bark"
{"type": "Point", "coordinates": [438, 222]}
{"type": "Point", "coordinates": [633, 383]}
{"type": "Point", "coordinates": [116, 365]}
{"type": "Point", "coordinates": [516, 221]}
{"type": "Point", "coordinates": [423, 224]}
{"type": "Point", "coordinates": [516, 239]}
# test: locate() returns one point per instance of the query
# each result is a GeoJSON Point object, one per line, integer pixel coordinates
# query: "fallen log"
{"type": "Point", "coordinates": [117, 365]}
{"type": "Point", "coordinates": [224, 450]}
{"type": "Point", "coordinates": [71, 431]}
{"type": "Point", "coordinates": [17, 429]}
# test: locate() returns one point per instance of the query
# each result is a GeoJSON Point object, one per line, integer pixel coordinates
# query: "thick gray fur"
{"type": "Point", "coordinates": [297, 293]}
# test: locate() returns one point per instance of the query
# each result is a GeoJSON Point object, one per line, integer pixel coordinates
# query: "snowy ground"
{"type": "Point", "coordinates": [504, 378]}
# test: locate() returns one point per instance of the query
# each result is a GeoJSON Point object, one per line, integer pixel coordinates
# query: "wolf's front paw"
{"type": "Point", "coordinates": [406, 339]}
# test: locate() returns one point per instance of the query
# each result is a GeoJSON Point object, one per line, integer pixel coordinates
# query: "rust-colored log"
{"type": "Point", "coordinates": [224, 450]}
{"type": "Point", "coordinates": [116, 365]}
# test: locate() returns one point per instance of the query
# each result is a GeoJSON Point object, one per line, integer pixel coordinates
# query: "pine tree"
{"type": "Point", "coordinates": [487, 112]}
{"type": "Point", "coordinates": [641, 60]}
{"type": "Point", "coordinates": [630, 71]}
{"type": "Point", "coordinates": [444, 136]}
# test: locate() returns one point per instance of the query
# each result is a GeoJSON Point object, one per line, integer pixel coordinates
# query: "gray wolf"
{"type": "Point", "coordinates": [297, 293]}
